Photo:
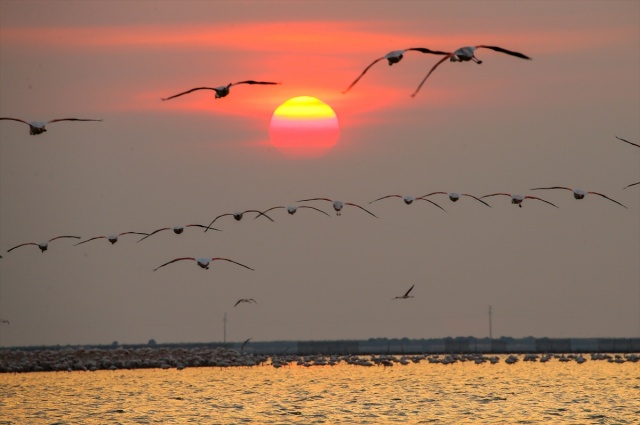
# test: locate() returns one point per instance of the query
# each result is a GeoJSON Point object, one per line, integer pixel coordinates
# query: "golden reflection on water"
{"type": "Point", "coordinates": [595, 392]}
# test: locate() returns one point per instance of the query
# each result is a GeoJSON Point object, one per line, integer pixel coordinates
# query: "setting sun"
{"type": "Point", "coordinates": [304, 126]}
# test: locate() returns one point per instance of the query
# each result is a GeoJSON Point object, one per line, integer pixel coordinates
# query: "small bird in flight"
{"type": "Point", "coordinates": [406, 294]}
{"type": "Point", "coordinates": [112, 238]}
{"type": "Point", "coordinates": [221, 91]}
{"type": "Point", "coordinates": [38, 127]}
{"type": "Point", "coordinates": [454, 196]}
{"type": "Point", "coordinates": [42, 245]}
{"type": "Point", "coordinates": [338, 205]}
{"type": "Point", "coordinates": [408, 199]}
{"type": "Point", "coordinates": [518, 199]}
{"type": "Point", "coordinates": [202, 262]}
{"type": "Point", "coordinates": [177, 230]}
{"type": "Point", "coordinates": [465, 54]}
{"type": "Point", "coordinates": [237, 216]}
{"type": "Point", "coordinates": [245, 300]}
{"type": "Point", "coordinates": [393, 58]}
{"type": "Point", "coordinates": [578, 194]}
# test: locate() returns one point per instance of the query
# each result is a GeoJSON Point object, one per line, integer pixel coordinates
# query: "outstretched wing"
{"type": "Point", "coordinates": [315, 199]}
{"type": "Point", "coordinates": [214, 220]}
{"type": "Point", "coordinates": [89, 240]}
{"type": "Point", "coordinates": [632, 184]}
{"type": "Point", "coordinates": [259, 213]}
{"type": "Point", "coordinates": [15, 119]}
{"type": "Point", "coordinates": [314, 208]}
{"type": "Point", "coordinates": [362, 208]}
{"type": "Point", "coordinates": [64, 236]}
{"type": "Point", "coordinates": [540, 199]}
{"type": "Point", "coordinates": [188, 91]}
{"type": "Point", "coordinates": [71, 119]}
{"type": "Point", "coordinates": [254, 82]}
{"type": "Point", "coordinates": [173, 261]}
{"type": "Point", "coordinates": [244, 343]}
{"type": "Point", "coordinates": [508, 52]}
{"type": "Point", "coordinates": [231, 261]}
{"type": "Point", "coordinates": [363, 72]}
{"type": "Point", "coordinates": [552, 187]}
{"type": "Point", "coordinates": [494, 194]}
{"type": "Point", "coordinates": [606, 197]}
{"type": "Point", "coordinates": [476, 198]}
{"type": "Point", "coordinates": [385, 197]}
{"type": "Point", "coordinates": [431, 202]}
{"type": "Point", "coordinates": [406, 294]}
{"type": "Point", "coordinates": [154, 232]}
{"type": "Point", "coordinates": [619, 138]}
{"type": "Point", "coordinates": [430, 71]}
{"type": "Point", "coordinates": [22, 244]}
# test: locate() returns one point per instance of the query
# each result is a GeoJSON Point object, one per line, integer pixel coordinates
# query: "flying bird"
{"type": "Point", "coordinates": [177, 230]}
{"type": "Point", "coordinates": [406, 294]}
{"type": "Point", "coordinates": [338, 205]}
{"type": "Point", "coordinates": [5, 322]}
{"type": "Point", "coordinates": [578, 194]}
{"type": "Point", "coordinates": [244, 343]}
{"type": "Point", "coordinates": [202, 262]}
{"type": "Point", "coordinates": [245, 300]}
{"type": "Point", "coordinates": [518, 199]}
{"type": "Point", "coordinates": [112, 238]}
{"type": "Point", "coordinates": [408, 199]}
{"type": "Point", "coordinates": [38, 127]}
{"type": "Point", "coordinates": [237, 216]}
{"type": "Point", "coordinates": [42, 245]}
{"type": "Point", "coordinates": [465, 54]}
{"type": "Point", "coordinates": [393, 58]}
{"type": "Point", "coordinates": [221, 91]}
{"type": "Point", "coordinates": [292, 209]}
{"type": "Point", "coordinates": [454, 196]}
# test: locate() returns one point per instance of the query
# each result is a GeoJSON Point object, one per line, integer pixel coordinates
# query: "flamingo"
{"type": "Point", "coordinates": [578, 194]}
{"type": "Point", "coordinates": [112, 238]}
{"type": "Point", "coordinates": [202, 262]}
{"type": "Point", "coordinates": [221, 91]}
{"type": "Point", "coordinates": [38, 127]}
{"type": "Point", "coordinates": [393, 58]}
{"type": "Point", "coordinates": [244, 343]}
{"type": "Point", "coordinates": [338, 205]}
{"type": "Point", "coordinates": [408, 199]}
{"type": "Point", "coordinates": [177, 230]}
{"type": "Point", "coordinates": [292, 209]}
{"type": "Point", "coordinates": [42, 245]}
{"type": "Point", "coordinates": [518, 199]}
{"type": "Point", "coordinates": [465, 54]}
{"type": "Point", "coordinates": [237, 215]}
{"type": "Point", "coordinates": [454, 196]}
{"type": "Point", "coordinates": [245, 300]}
{"type": "Point", "coordinates": [406, 294]}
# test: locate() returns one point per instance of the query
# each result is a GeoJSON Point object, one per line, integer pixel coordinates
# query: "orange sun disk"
{"type": "Point", "coordinates": [304, 126]}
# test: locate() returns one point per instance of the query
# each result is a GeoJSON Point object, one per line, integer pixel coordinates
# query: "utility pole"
{"type": "Point", "coordinates": [490, 329]}
{"type": "Point", "coordinates": [224, 327]}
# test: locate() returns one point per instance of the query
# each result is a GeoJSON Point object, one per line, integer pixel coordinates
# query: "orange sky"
{"type": "Point", "coordinates": [507, 125]}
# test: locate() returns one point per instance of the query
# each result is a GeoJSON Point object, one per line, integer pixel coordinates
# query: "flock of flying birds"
{"type": "Point", "coordinates": [464, 54]}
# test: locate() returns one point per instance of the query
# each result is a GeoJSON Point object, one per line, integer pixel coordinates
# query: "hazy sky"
{"type": "Point", "coordinates": [507, 125]}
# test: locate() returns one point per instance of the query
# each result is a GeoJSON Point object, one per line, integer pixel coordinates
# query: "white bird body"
{"type": "Point", "coordinates": [392, 57]}
{"type": "Point", "coordinates": [221, 91]}
{"type": "Point", "coordinates": [519, 199]}
{"type": "Point", "coordinates": [579, 193]}
{"type": "Point", "coordinates": [202, 262]}
{"type": "Point", "coordinates": [338, 205]}
{"type": "Point", "coordinates": [466, 54]}
{"type": "Point", "coordinates": [38, 127]}
{"type": "Point", "coordinates": [42, 245]}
